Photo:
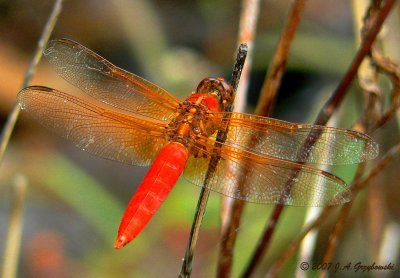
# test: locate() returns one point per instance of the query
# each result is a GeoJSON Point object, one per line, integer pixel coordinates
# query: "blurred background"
{"type": "Point", "coordinates": [75, 200]}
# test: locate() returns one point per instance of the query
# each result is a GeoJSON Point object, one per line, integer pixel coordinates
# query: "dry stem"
{"type": "Point", "coordinates": [12, 118]}
{"type": "Point", "coordinates": [13, 240]}
{"type": "Point", "coordinates": [326, 112]}
{"type": "Point", "coordinates": [358, 185]}
{"type": "Point", "coordinates": [231, 213]}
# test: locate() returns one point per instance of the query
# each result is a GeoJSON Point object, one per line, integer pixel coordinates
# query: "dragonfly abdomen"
{"type": "Point", "coordinates": [153, 190]}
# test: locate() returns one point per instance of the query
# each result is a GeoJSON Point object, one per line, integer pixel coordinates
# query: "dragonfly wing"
{"type": "Point", "coordinates": [102, 80]}
{"type": "Point", "coordinates": [246, 176]}
{"type": "Point", "coordinates": [284, 140]}
{"type": "Point", "coordinates": [108, 134]}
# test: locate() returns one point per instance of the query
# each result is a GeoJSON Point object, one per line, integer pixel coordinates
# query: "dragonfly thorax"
{"type": "Point", "coordinates": [194, 119]}
{"type": "Point", "coordinates": [196, 116]}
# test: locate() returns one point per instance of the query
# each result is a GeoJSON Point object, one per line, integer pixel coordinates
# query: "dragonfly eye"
{"type": "Point", "coordinates": [218, 87]}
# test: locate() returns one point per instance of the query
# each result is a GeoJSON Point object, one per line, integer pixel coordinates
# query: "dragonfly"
{"type": "Point", "coordinates": [123, 117]}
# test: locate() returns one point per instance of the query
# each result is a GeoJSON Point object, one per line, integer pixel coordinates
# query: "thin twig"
{"type": "Point", "coordinates": [368, 80]}
{"type": "Point", "coordinates": [268, 95]}
{"type": "Point", "coordinates": [277, 68]}
{"type": "Point", "coordinates": [392, 70]}
{"type": "Point", "coordinates": [358, 185]}
{"type": "Point", "coordinates": [368, 74]}
{"type": "Point", "coordinates": [326, 112]}
{"type": "Point", "coordinates": [247, 31]}
{"type": "Point", "coordinates": [238, 67]}
{"type": "Point", "coordinates": [371, 34]}
{"type": "Point", "coordinates": [294, 246]}
{"type": "Point", "coordinates": [12, 118]}
{"type": "Point", "coordinates": [231, 211]}
{"type": "Point", "coordinates": [335, 235]}
{"type": "Point", "coordinates": [339, 225]}
{"type": "Point", "coordinates": [13, 240]}
{"type": "Point", "coordinates": [205, 191]}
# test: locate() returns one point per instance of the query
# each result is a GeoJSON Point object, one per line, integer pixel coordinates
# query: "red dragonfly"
{"type": "Point", "coordinates": [131, 120]}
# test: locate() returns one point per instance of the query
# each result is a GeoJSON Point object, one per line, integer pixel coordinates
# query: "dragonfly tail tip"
{"type": "Point", "coordinates": [120, 242]}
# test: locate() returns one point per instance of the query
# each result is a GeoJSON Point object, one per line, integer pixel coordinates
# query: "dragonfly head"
{"type": "Point", "coordinates": [218, 87]}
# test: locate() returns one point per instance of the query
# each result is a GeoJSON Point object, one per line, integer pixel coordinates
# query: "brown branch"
{"type": "Point", "coordinates": [345, 210]}
{"type": "Point", "coordinates": [186, 268]}
{"type": "Point", "coordinates": [247, 30]}
{"type": "Point", "coordinates": [338, 228]}
{"type": "Point", "coordinates": [12, 118]}
{"type": "Point", "coordinates": [392, 70]}
{"type": "Point", "coordinates": [277, 68]}
{"type": "Point", "coordinates": [375, 26]}
{"type": "Point", "coordinates": [232, 209]}
{"type": "Point", "coordinates": [267, 99]}
{"type": "Point", "coordinates": [326, 112]}
{"type": "Point", "coordinates": [358, 185]}
{"type": "Point", "coordinates": [386, 66]}
{"type": "Point", "coordinates": [13, 240]}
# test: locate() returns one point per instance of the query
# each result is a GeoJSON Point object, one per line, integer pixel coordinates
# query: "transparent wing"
{"type": "Point", "coordinates": [105, 82]}
{"type": "Point", "coordinates": [266, 180]}
{"type": "Point", "coordinates": [284, 140]}
{"type": "Point", "coordinates": [109, 134]}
